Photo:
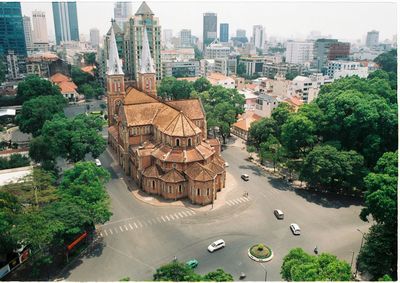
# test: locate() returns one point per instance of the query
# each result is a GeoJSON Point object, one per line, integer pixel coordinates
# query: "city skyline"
{"type": "Point", "coordinates": [341, 22]}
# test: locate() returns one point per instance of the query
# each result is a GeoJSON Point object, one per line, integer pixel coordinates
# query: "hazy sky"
{"type": "Point", "coordinates": [342, 20]}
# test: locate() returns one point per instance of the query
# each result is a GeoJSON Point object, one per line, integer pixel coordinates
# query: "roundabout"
{"type": "Point", "coordinates": [260, 253]}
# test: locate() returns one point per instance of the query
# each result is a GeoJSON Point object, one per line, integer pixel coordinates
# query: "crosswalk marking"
{"type": "Point", "coordinates": [130, 226]}
{"type": "Point", "coordinates": [101, 234]}
{"type": "Point", "coordinates": [239, 200]}
{"type": "Point", "coordinates": [158, 219]}
{"type": "Point", "coordinates": [111, 231]}
{"type": "Point", "coordinates": [180, 214]}
{"type": "Point", "coordinates": [172, 217]}
{"type": "Point", "coordinates": [163, 218]}
{"type": "Point", "coordinates": [140, 224]}
{"type": "Point", "coordinates": [184, 213]}
{"type": "Point", "coordinates": [229, 203]}
{"type": "Point", "coordinates": [121, 229]}
{"type": "Point", "coordinates": [177, 217]}
{"type": "Point", "coordinates": [126, 227]}
{"type": "Point", "coordinates": [167, 217]}
{"type": "Point", "coordinates": [134, 223]}
{"type": "Point", "coordinates": [105, 232]}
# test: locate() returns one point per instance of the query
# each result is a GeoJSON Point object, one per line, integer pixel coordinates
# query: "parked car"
{"type": "Point", "coordinates": [97, 161]}
{"type": "Point", "coordinates": [245, 177]}
{"type": "Point", "coordinates": [216, 245]}
{"type": "Point", "coordinates": [295, 229]}
{"type": "Point", "coordinates": [193, 263]}
{"type": "Point", "coordinates": [279, 214]}
{"type": "Point", "coordinates": [226, 164]}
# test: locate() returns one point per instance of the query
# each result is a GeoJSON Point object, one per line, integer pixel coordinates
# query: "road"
{"type": "Point", "coordinates": [141, 237]}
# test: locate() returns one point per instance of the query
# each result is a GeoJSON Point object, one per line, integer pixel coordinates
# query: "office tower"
{"type": "Point", "coordinates": [185, 37]}
{"type": "Point", "coordinates": [224, 32]}
{"type": "Point", "coordinates": [28, 32]}
{"type": "Point", "coordinates": [65, 21]}
{"type": "Point", "coordinates": [258, 36]}
{"type": "Point", "coordinates": [40, 34]}
{"type": "Point", "coordinates": [166, 36]}
{"type": "Point", "coordinates": [94, 37]}
{"type": "Point", "coordinates": [122, 13]}
{"type": "Point", "coordinates": [329, 49]}
{"type": "Point", "coordinates": [372, 38]}
{"type": "Point", "coordinates": [209, 28]}
{"type": "Point", "coordinates": [142, 21]}
{"type": "Point", "coordinates": [240, 33]}
{"type": "Point", "coordinates": [299, 52]}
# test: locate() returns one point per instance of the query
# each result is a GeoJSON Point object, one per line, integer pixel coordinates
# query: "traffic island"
{"type": "Point", "coordinates": [260, 253]}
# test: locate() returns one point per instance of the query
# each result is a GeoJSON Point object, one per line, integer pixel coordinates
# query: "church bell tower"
{"type": "Point", "coordinates": [147, 72]}
{"type": "Point", "coordinates": [115, 80]}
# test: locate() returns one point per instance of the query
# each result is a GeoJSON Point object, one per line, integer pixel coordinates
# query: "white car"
{"type": "Point", "coordinates": [97, 161]}
{"type": "Point", "coordinates": [226, 164]}
{"type": "Point", "coordinates": [295, 229]}
{"type": "Point", "coordinates": [216, 245]}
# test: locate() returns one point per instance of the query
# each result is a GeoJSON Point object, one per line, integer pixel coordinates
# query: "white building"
{"type": "Point", "coordinates": [340, 69]}
{"type": "Point", "coordinates": [179, 54]}
{"type": "Point", "coordinates": [217, 50]}
{"type": "Point", "coordinates": [259, 36]}
{"type": "Point", "coordinates": [94, 37]}
{"type": "Point", "coordinates": [40, 34]}
{"type": "Point", "coordinates": [206, 66]}
{"type": "Point", "coordinates": [225, 66]}
{"type": "Point", "coordinates": [265, 104]}
{"type": "Point", "coordinates": [28, 33]}
{"type": "Point", "coordinates": [181, 69]}
{"type": "Point", "coordinates": [185, 36]}
{"type": "Point", "coordinates": [166, 37]}
{"type": "Point", "coordinates": [122, 13]}
{"type": "Point", "coordinates": [12, 66]}
{"type": "Point", "coordinates": [307, 88]}
{"type": "Point", "coordinates": [372, 38]}
{"type": "Point", "coordinates": [220, 79]}
{"type": "Point", "coordinates": [299, 52]}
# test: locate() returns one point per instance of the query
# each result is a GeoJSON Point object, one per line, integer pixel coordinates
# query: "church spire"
{"type": "Point", "coordinates": [146, 62]}
{"type": "Point", "coordinates": [114, 64]}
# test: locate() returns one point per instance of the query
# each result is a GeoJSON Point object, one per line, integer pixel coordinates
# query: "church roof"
{"type": "Point", "coordinates": [192, 108]}
{"type": "Point", "coordinates": [152, 172]}
{"type": "Point", "coordinates": [181, 126]}
{"type": "Point", "coordinates": [214, 167]}
{"type": "Point", "coordinates": [144, 9]}
{"type": "Point", "coordinates": [173, 176]}
{"type": "Point", "coordinates": [114, 64]}
{"type": "Point", "coordinates": [198, 172]}
{"type": "Point", "coordinates": [135, 96]}
{"type": "Point", "coordinates": [146, 61]}
{"type": "Point", "coordinates": [168, 154]}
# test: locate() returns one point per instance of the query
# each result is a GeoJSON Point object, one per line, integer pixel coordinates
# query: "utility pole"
{"type": "Point", "coordinates": [362, 242]}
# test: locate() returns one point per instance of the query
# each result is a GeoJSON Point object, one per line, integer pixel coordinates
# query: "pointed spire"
{"type": "Point", "coordinates": [114, 64]}
{"type": "Point", "coordinates": [144, 9]}
{"type": "Point", "coordinates": [146, 62]}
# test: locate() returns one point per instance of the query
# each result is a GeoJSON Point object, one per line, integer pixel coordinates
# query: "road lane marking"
{"type": "Point", "coordinates": [172, 217]}
{"type": "Point", "coordinates": [239, 200]}
{"type": "Point", "coordinates": [111, 231]}
{"type": "Point", "coordinates": [105, 232]}
{"type": "Point", "coordinates": [176, 215]}
{"type": "Point", "coordinates": [167, 218]}
{"type": "Point", "coordinates": [229, 203]}
{"type": "Point", "coordinates": [130, 226]}
{"type": "Point", "coordinates": [121, 229]}
{"type": "Point", "coordinates": [163, 218]}
{"type": "Point", "coordinates": [126, 227]}
{"type": "Point", "coordinates": [101, 235]}
{"type": "Point", "coordinates": [184, 213]}
{"type": "Point", "coordinates": [235, 202]}
{"type": "Point", "coordinates": [134, 223]}
{"type": "Point", "coordinates": [180, 214]}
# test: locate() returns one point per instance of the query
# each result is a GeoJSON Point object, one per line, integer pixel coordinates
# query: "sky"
{"type": "Point", "coordinates": [348, 21]}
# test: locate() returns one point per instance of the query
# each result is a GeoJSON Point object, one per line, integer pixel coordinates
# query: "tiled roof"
{"type": "Point", "coordinates": [169, 154]}
{"type": "Point", "coordinates": [244, 121]}
{"type": "Point", "coordinates": [135, 96]}
{"type": "Point", "coordinates": [219, 161]}
{"type": "Point", "coordinates": [198, 172]}
{"type": "Point", "coordinates": [267, 98]}
{"type": "Point", "coordinates": [173, 176]}
{"type": "Point", "coordinates": [58, 78]}
{"type": "Point", "coordinates": [67, 87]}
{"type": "Point", "coordinates": [42, 57]}
{"type": "Point", "coordinates": [294, 100]}
{"type": "Point", "coordinates": [214, 167]}
{"type": "Point", "coordinates": [213, 142]}
{"type": "Point", "coordinates": [190, 107]}
{"type": "Point", "coordinates": [153, 171]}
{"type": "Point", "coordinates": [88, 69]}
{"type": "Point", "coordinates": [181, 126]}
{"type": "Point", "coordinates": [189, 79]}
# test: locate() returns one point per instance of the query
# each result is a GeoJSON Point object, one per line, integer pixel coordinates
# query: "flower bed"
{"type": "Point", "coordinates": [260, 252]}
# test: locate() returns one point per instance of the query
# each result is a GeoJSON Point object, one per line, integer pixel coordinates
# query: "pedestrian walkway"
{"type": "Point", "coordinates": [237, 201]}
{"type": "Point", "coordinates": [135, 224]}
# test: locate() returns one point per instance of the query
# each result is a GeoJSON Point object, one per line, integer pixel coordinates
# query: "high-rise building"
{"type": "Point", "coordinates": [329, 49]}
{"type": "Point", "coordinates": [40, 34]}
{"type": "Point", "coordinates": [122, 13]}
{"type": "Point", "coordinates": [65, 21]}
{"type": "Point", "coordinates": [28, 32]}
{"type": "Point", "coordinates": [216, 50]}
{"type": "Point", "coordinates": [142, 21]}
{"type": "Point", "coordinates": [299, 52]}
{"type": "Point", "coordinates": [94, 37]}
{"type": "Point", "coordinates": [240, 33]}
{"type": "Point", "coordinates": [372, 38]}
{"type": "Point", "coordinates": [224, 32]}
{"type": "Point", "coordinates": [186, 37]}
{"type": "Point", "coordinates": [258, 36]}
{"type": "Point", "coordinates": [166, 36]}
{"type": "Point", "coordinates": [209, 28]}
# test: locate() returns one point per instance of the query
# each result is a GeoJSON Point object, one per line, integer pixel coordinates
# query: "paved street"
{"type": "Point", "coordinates": [140, 237]}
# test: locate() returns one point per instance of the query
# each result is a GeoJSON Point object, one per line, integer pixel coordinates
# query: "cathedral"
{"type": "Point", "coordinates": [161, 144]}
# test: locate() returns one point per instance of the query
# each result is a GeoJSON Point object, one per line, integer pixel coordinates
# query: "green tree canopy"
{"type": "Point", "coordinates": [36, 111]}
{"type": "Point", "coordinates": [171, 88]}
{"type": "Point", "coordinates": [33, 86]}
{"type": "Point", "coordinates": [9, 209]}
{"type": "Point", "coordinates": [90, 58]}
{"type": "Point", "coordinates": [218, 276]}
{"type": "Point", "coordinates": [388, 61]}
{"type": "Point", "coordinates": [201, 84]}
{"type": "Point", "coordinates": [261, 130]}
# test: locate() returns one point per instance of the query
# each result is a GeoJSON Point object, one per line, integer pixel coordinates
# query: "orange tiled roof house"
{"type": "Point", "coordinates": [162, 145]}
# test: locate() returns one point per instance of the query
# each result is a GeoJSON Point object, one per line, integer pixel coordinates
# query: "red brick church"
{"type": "Point", "coordinates": [162, 145]}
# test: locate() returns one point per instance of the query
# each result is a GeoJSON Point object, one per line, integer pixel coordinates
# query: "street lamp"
{"type": "Point", "coordinates": [362, 242]}
{"type": "Point", "coordinates": [266, 272]}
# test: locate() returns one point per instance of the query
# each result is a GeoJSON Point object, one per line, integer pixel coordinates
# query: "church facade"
{"type": "Point", "coordinates": [162, 145]}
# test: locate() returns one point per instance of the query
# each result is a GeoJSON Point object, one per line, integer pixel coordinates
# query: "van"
{"type": "Point", "coordinates": [279, 214]}
{"type": "Point", "coordinates": [218, 244]}
{"type": "Point", "coordinates": [245, 177]}
{"type": "Point", "coordinates": [295, 229]}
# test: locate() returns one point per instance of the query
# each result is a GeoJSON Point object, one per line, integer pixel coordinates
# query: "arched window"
{"type": "Point", "coordinates": [198, 192]}
{"type": "Point", "coordinates": [189, 142]}
{"type": "Point", "coordinates": [180, 188]}
{"type": "Point", "coordinates": [208, 192]}
{"type": "Point", "coordinates": [177, 141]}
{"type": "Point", "coordinates": [154, 184]}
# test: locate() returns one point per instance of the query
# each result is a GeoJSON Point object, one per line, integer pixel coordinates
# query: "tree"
{"type": "Point", "coordinates": [388, 61]}
{"type": "Point", "coordinates": [80, 77]}
{"type": "Point", "coordinates": [33, 86]}
{"type": "Point", "coordinates": [327, 167]}
{"type": "Point", "coordinates": [291, 75]}
{"type": "Point", "coordinates": [9, 209]}
{"type": "Point", "coordinates": [90, 58]}
{"type": "Point", "coordinates": [171, 88]}
{"type": "Point", "coordinates": [218, 276]}
{"type": "Point", "coordinates": [280, 115]}
{"type": "Point", "coordinates": [14, 161]}
{"type": "Point", "coordinates": [300, 266]}
{"type": "Point", "coordinates": [174, 271]}
{"type": "Point", "coordinates": [261, 130]}
{"type": "Point", "coordinates": [87, 90]}
{"type": "Point", "coordinates": [241, 69]}
{"type": "Point", "coordinates": [272, 150]}
{"type": "Point", "coordinates": [224, 114]}
{"type": "Point", "coordinates": [201, 84]}
{"type": "Point", "coordinates": [36, 111]}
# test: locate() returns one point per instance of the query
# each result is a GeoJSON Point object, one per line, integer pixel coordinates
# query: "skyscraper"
{"type": "Point", "coordinates": [186, 37]}
{"type": "Point", "coordinates": [224, 32]}
{"type": "Point", "coordinates": [12, 36]}
{"type": "Point", "coordinates": [65, 21]}
{"type": "Point", "coordinates": [122, 13]}
{"type": "Point", "coordinates": [209, 28]}
{"type": "Point", "coordinates": [94, 37]}
{"type": "Point", "coordinates": [329, 49]}
{"type": "Point", "coordinates": [240, 33]}
{"type": "Point", "coordinates": [258, 36]}
{"type": "Point", "coordinates": [39, 27]}
{"type": "Point", "coordinates": [28, 32]}
{"type": "Point", "coordinates": [143, 20]}
{"type": "Point", "coordinates": [372, 38]}
{"type": "Point", "coordinates": [166, 36]}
